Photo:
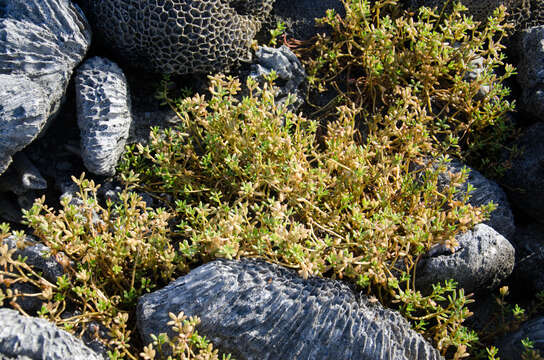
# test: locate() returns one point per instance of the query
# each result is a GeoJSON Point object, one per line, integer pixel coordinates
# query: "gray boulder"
{"type": "Point", "coordinates": [524, 181]}
{"type": "Point", "coordinates": [24, 112]}
{"type": "Point", "coordinates": [481, 261]}
{"type": "Point", "coordinates": [32, 338]}
{"type": "Point", "coordinates": [103, 114]}
{"type": "Point", "coordinates": [531, 70]}
{"type": "Point", "coordinates": [510, 346]}
{"type": "Point", "coordinates": [41, 42]}
{"type": "Point", "coordinates": [257, 310]}
{"type": "Point", "coordinates": [529, 242]}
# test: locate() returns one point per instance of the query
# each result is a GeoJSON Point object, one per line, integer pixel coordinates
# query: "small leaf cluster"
{"type": "Point", "coordinates": [247, 177]}
{"type": "Point", "coordinates": [375, 53]}
{"type": "Point", "coordinates": [111, 255]}
{"type": "Point", "coordinates": [186, 345]}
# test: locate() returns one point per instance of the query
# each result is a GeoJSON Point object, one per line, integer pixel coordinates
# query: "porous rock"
{"type": "Point", "coordinates": [287, 67]}
{"type": "Point", "coordinates": [482, 259]}
{"type": "Point", "coordinates": [256, 310]}
{"type": "Point", "coordinates": [510, 346]}
{"type": "Point", "coordinates": [178, 36]}
{"type": "Point", "coordinates": [524, 180]}
{"type": "Point", "coordinates": [485, 191]}
{"type": "Point", "coordinates": [41, 42]}
{"type": "Point", "coordinates": [103, 114]}
{"type": "Point", "coordinates": [32, 338]}
{"type": "Point", "coordinates": [529, 243]}
{"type": "Point", "coordinates": [531, 71]}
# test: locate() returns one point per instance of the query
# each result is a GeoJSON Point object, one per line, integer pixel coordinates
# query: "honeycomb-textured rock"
{"type": "Point", "coordinates": [41, 42]}
{"type": "Point", "coordinates": [257, 310]}
{"type": "Point", "coordinates": [103, 114]}
{"type": "Point", "coordinates": [32, 338]}
{"type": "Point", "coordinates": [481, 261]}
{"type": "Point", "coordinates": [178, 36]}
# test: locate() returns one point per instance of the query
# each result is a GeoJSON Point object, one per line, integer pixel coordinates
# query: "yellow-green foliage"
{"type": "Point", "coordinates": [112, 255]}
{"type": "Point", "coordinates": [249, 178]}
{"type": "Point", "coordinates": [245, 176]}
{"type": "Point", "coordinates": [375, 54]}
{"type": "Point", "coordinates": [186, 345]}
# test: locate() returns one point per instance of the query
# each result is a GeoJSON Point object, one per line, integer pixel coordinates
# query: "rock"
{"type": "Point", "coordinates": [103, 114]}
{"type": "Point", "coordinates": [256, 310]}
{"type": "Point", "coordinates": [32, 338]}
{"type": "Point", "coordinates": [524, 181]}
{"type": "Point", "coordinates": [529, 242]}
{"type": "Point", "coordinates": [9, 211]}
{"type": "Point", "coordinates": [480, 262]}
{"type": "Point", "coordinates": [531, 70]}
{"type": "Point", "coordinates": [287, 67]}
{"type": "Point", "coordinates": [486, 191]}
{"type": "Point", "coordinates": [24, 110]}
{"type": "Point", "coordinates": [41, 42]}
{"type": "Point", "coordinates": [510, 346]}
{"type": "Point", "coordinates": [38, 258]}
{"type": "Point", "coordinates": [299, 16]}
{"type": "Point", "coordinates": [22, 177]}
{"type": "Point", "coordinates": [178, 36]}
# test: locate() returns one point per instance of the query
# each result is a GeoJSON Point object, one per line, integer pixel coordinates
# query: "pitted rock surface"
{"type": "Point", "coordinates": [41, 42]}
{"type": "Point", "coordinates": [103, 114]}
{"type": "Point", "coordinates": [480, 262]}
{"type": "Point", "coordinates": [257, 310]}
{"type": "Point", "coordinates": [32, 338]}
{"type": "Point", "coordinates": [178, 36]}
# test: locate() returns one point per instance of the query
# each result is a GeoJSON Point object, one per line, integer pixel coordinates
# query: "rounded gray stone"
{"type": "Point", "coordinates": [33, 338]}
{"type": "Point", "coordinates": [256, 310]}
{"type": "Point", "coordinates": [23, 115]}
{"type": "Point", "coordinates": [41, 42]}
{"type": "Point", "coordinates": [103, 114]}
{"type": "Point", "coordinates": [480, 262]}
